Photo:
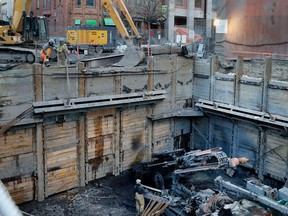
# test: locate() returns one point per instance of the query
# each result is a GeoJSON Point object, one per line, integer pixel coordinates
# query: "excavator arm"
{"type": "Point", "coordinates": [110, 8]}
{"type": "Point", "coordinates": [133, 55]}
{"type": "Point", "coordinates": [20, 6]}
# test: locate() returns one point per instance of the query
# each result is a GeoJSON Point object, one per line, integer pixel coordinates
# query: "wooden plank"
{"type": "Point", "coordinates": [40, 162]}
{"type": "Point", "coordinates": [16, 142]}
{"type": "Point", "coordinates": [21, 190]}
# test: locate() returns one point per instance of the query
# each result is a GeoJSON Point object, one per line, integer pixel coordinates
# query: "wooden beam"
{"type": "Point", "coordinates": [238, 76]}
{"type": "Point", "coordinates": [266, 81]}
{"type": "Point", "coordinates": [40, 163]}
{"type": "Point", "coordinates": [38, 82]}
{"type": "Point", "coordinates": [81, 150]}
{"type": "Point", "coordinates": [117, 138]}
{"type": "Point", "coordinates": [213, 69]}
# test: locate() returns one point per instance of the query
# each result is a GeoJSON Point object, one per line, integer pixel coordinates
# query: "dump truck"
{"type": "Point", "coordinates": [95, 39]}
{"type": "Point", "coordinates": [21, 37]}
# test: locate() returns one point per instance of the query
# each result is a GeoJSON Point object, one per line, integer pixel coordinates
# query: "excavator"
{"type": "Point", "coordinates": [133, 55]}
{"type": "Point", "coordinates": [21, 38]}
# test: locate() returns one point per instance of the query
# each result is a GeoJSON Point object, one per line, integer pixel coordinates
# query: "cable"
{"type": "Point", "coordinates": [251, 45]}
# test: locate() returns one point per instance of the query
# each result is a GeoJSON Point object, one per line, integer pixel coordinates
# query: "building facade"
{"type": "Point", "coordinates": [63, 13]}
{"type": "Point", "coordinates": [194, 15]}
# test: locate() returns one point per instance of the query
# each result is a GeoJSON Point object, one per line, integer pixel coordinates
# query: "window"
{"type": "Point", "coordinates": [37, 4]}
{"type": "Point", "coordinates": [214, 4]}
{"type": "Point", "coordinates": [55, 24]}
{"type": "Point", "coordinates": [46, 4]}
{"type": "Point", "coordinates": [78, 3]}
{"type": "Point", "coordinates": [90, 3]}
{"type": "Point", "coordinates": [55, 4]}
{"type": "Point", "coordinates": [180, 2]}
{"type": "Point", "coordinates": [198, 3]}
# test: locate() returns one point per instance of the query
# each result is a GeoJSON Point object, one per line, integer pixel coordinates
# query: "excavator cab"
{"type": "Point", "coordinates": [35, 29]}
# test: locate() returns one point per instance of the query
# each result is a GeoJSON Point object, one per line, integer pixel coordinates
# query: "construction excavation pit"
{"type": "Point", "coordinates": [76, 139]}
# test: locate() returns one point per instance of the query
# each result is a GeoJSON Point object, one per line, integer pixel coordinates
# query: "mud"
{"type": "Point", "coordinates": [113, 195]}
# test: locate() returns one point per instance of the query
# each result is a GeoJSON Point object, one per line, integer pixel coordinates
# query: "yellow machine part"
{"type": "Point", "coordinates": [91, 37]}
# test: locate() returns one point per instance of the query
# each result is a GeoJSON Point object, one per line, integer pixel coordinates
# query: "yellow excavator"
{"type": "Point", "coordinates": [133, 55]}
{"type": "Point", "coordinates": [19, 39]}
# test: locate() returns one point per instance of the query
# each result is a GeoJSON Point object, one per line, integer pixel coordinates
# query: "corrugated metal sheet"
{"type": "Point", "coordinates": [133, 136]}
{"type": "Point", "coordinates": [100, 136]}
{"type": "Point", "coordinates": [60, 157]}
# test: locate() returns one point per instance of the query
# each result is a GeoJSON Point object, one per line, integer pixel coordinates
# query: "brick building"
{"type": "Point", "coordinates": [63, 13]}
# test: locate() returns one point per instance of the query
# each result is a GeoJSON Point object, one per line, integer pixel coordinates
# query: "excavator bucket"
{"type": "Point", "coordinates": [133, 56]}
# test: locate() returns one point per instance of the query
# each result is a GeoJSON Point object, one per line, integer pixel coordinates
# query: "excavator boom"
{"type": "Point", "coordinates": [133, 54]}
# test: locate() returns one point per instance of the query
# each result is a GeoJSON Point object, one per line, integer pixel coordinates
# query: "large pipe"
{"type": "Point", "coordinates": [7, 205]}
{"type": "Point", "coordinates": [239, 190]}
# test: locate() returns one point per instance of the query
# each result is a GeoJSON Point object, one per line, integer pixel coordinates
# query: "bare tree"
{"type": "Point", "coordinates": [150, 11]}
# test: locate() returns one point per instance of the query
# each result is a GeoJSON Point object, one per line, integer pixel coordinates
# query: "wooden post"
{"type": "Point", "coordinates": [81, 127]}
{"type": "Point", "coordinates": [38, 82]}
{"type": "Point", "coordinates": [213, 68]}
{"type": "Point", "coordinates": [40, 162]}
{"type": "Point", "coordinates": [38, 96]}
{"type": "Point", "coordinates": [117, 166]}
{"type": "Point", "coordinates": [266, 80]}
{"type": "Point", "coordinates": [239, 74]}
{"type": "Point", "coordinates": [81, 150]}
{"type": "Point", "coordinates": [149, 134]}
{"type": "Point", "coordinates": [235, 138]}
{"type": "Point", "coordinates": [261, 149]}
{"type": "Point", "coordinates": [174, 68]}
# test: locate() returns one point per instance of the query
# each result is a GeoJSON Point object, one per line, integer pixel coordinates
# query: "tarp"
{"type": "Point", "coordinates": [182, 36]}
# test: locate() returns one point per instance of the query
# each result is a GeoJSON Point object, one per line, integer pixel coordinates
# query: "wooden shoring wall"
{"type": "Point", "coordinates": [54, 152]}
{"type": "Point", "coordinates": [100, 127]}
{"type": "Point", "coordinates": [60, 157]}
{"type": "Point", "coordinates": [265, 145]}
{"type": "Point", "coordinates": [17, 164]}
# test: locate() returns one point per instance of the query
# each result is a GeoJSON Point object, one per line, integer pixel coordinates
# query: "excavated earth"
{"type": "Point", "coordinates": [113, 195]}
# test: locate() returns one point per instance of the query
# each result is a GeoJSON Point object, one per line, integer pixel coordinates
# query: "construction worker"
{"type": "Point", "coordinates": [62, 52]}
{"type": "Point", "coordinates": [139, 196]}
{"type": "Point", "coordinates": [46, 52]}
